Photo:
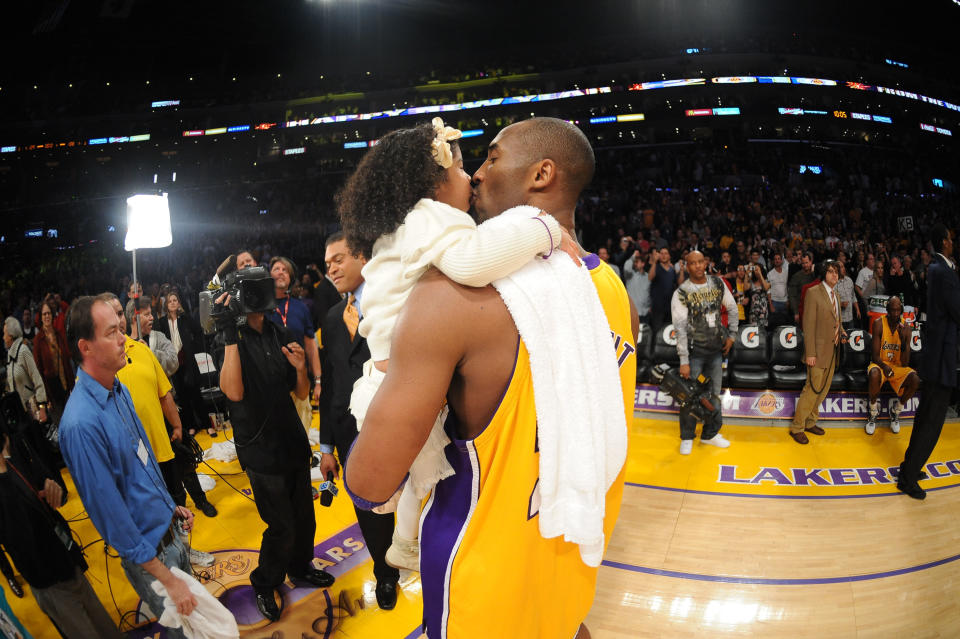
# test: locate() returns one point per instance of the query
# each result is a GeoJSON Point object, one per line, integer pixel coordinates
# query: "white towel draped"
{"type": "Point", "coordinates": [581, 427]}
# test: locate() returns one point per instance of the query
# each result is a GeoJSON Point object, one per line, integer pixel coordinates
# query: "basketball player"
{"type": "Point", "coordinates": [460, 345]}
{"type": "Point", "coordinates": [891, 363]}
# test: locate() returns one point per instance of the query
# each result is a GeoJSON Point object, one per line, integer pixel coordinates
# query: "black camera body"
{"type": "Point", "coordinates": [251, 291]}
{"type": "Point", "coordinates": [691, 394]}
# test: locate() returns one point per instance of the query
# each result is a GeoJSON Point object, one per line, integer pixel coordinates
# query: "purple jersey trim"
{"type": "Point", "coordinates": [591, 261]}
{"type": "Point", "coordinates": [442, 528]}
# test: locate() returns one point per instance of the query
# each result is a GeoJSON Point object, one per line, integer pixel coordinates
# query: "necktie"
{"type": "Point", "coordinates": [351, 318]}
{"type": "Point", "coordinates": [836, 319]}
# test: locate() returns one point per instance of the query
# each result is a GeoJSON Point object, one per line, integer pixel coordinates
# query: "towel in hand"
{"type": "Point", "coordinates": [581, 427]}
{"type": "Point", "coordinates": [209, 620]}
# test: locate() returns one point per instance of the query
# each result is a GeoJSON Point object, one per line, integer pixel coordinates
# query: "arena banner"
{"type": "Point", "coordinates": [773, 404]}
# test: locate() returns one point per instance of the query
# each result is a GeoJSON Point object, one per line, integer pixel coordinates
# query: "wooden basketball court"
{"type": "Point", "coordinates": [766, 538]}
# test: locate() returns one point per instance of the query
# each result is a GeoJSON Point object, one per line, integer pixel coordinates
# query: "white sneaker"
{"type": "Point", "coordinates": [200, 558]}
{"type": "Point", "coordinates": [717, 440]}
{"type": "Point", "coordinates": [871, 426]}
{"type": "Point", "coordinates": [686, 445]}
{"type": "Point", "coordinates": [403, 553]}
{"type": "Point", "coordinates": [895, 408]}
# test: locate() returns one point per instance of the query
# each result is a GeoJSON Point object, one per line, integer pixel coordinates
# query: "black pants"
{"type": "Point", "coordinates": [179, 473]}
{"type": "Point", "coordinates": [285, 504]}
{"type": "Point", "coordinates": [377, 532]}
{"type": "Point", "coordinates": [927, 424]}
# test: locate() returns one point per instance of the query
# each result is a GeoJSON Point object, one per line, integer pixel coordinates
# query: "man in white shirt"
{"type": "Point", "coordinates": [778, 277]}
{"type": "Point", "coordinates": [865, 274]}
{"type": "Point", "coordinates": [848, 300]}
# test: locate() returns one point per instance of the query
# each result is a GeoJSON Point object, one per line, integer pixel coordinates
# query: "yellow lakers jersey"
{"type": "Point", "coordinates": [890, 344]}
{"type": "Point", "coordinates": [486, 570]}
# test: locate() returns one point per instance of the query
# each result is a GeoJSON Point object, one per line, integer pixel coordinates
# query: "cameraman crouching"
{"type": "Point", "coordinates": [702, 343]}
{"type": "Point", "coordinates": [262, 364]}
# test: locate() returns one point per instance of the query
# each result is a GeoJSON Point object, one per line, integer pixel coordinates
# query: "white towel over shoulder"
{"type": "Point", "coordinates": [581, 428]}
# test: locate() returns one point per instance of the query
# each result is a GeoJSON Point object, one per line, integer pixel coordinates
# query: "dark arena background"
{"type": "Point", "coordinates": [743, 129]}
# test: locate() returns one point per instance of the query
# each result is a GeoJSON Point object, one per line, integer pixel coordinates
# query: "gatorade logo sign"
{"type": "Point", "coordinates": [750, 338]}
{"type": "Point", "coordinates": [788, 337]}
{"type": "Point", "coordinates": [670, 335]}
{"type": "Point", "coordinates": [915, 343]}
{"type": "Point", "coordinates": [856, 341]}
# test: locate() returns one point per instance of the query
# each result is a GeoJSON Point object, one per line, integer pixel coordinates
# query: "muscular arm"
{"type": "Point", "coordinates": [428, 344]}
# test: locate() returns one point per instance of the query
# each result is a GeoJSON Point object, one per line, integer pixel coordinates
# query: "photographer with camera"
{"type": "Point", "coordinates": [114, 468]}
{"type": "Point", "coordinates": [702, 343]}
{"type": "Point", "coordinates": [262, 365]}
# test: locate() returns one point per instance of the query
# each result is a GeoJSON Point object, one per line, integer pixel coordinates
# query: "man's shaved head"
{"type": "Point", "coordinates": [562, 142]}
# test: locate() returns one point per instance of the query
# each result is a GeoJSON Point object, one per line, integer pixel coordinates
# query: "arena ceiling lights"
{"type": "Point", "coordinates": [543, 97]}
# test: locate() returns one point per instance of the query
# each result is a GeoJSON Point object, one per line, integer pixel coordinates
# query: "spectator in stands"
{"type": "Point", "coordinates": [663, 280]}
{"type": "Point", "coordinates": [899, 281]}
{"type": "Point", "coordinates": [637, 281]}
{"type": "Point", "coordinates": [777, 277]}
{"type": "Point", "coordinates": [23, 377]}
{"type": "Point", "coordinates": [702, 343]}
{"type": "Point", "coordinates": [740, 287]}
{"type": "Point", "coordinates": [292, 314]}
{"type": "Point", "coordinates": [245, 258]}
{"type": "Point", "coordinates": [891, 364]}
{"type": "Point", "coordinates": [822, 334]}
{"type": "Point", "coordinates": [29, 328]}
{"type": "Point", "coordinates": [725, 268]}
{"type": "Point", "coordinates": [849, 306]}
{"type": "Point", "coordinates": [875, 286]}
{"type": "Point", "coordinates": [53, 360]}
{"type": "Point", "coordinates": [798, 281]}
{"type": "Point", "coordinates": [604, 255]}
{"type": "Point", "coordinates": [865, 274]}
{"type": "Point", "coordinates": [760, 305]}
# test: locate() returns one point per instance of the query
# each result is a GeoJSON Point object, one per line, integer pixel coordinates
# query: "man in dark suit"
{"type": "Point", "coordinates": [938, 366]}
{"type": "Point", "coordinates": [344, 352]}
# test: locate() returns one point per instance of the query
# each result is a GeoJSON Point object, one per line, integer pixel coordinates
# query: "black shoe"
{"type": "Point", "coordinates": [207, 509]}
{"type": "Point", "coordinates": [386, 594]}
{"type": "Point", "coordinates": [267, 605]}
{"type": "Point", "coordinates": [314, 577]}
{"type": "Point", "coordinates": [15, 586]}
{"type": "Point", "coordinates": [923, 475]}
{"type": "Point", "coordinates": [913, 490]}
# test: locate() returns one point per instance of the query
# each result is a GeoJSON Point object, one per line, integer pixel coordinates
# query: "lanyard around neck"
{"type": "Point", "coordinates": [283, 313]}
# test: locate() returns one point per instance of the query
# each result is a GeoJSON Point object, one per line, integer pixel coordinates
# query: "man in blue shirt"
{"type": "Point", "coordinates": [113, 467]}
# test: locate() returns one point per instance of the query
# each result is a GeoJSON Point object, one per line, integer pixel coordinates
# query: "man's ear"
{"type": "Point", "coordinates": [83, 347]}
{"type": "Point", "coordinates": [544, 174]}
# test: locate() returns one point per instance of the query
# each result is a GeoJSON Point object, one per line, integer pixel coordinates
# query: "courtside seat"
{"type": "Point", "coordinates": [664, 349]}
{"type": "Point", "coordinates": [750, 359]}
{"type": "Point", "coordinates": [786, 349]}
{"type": "Point", "coordinates": [857, 353]}
{"type": "Point", "coordinates": [644, 352]}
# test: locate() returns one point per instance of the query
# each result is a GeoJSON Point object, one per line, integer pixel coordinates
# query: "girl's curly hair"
{"type": "Point", "coordinates": [390, 179]}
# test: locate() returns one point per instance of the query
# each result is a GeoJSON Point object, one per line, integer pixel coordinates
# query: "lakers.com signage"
{"type": "Point", "coordinates": [772, 404]}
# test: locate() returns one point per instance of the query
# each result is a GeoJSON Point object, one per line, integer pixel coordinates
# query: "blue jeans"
{"type": "Point", "coordinates": [711, 366]}
{"type": "Point", "coordinates": [174, 554]}
{"type": "Point", "coordinates": [779, 307]}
